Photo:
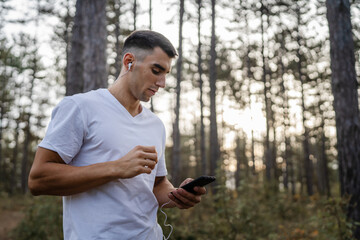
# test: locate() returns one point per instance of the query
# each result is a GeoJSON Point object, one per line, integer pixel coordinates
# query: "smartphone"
{"type": "Point", "coordinates": [199, 182]}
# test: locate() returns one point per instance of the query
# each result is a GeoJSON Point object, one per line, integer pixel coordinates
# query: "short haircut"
{"type": "Point", "coordinates": [146, 41]}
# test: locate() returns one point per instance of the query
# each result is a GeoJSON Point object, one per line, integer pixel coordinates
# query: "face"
{"type": "Point", "coordinates": [149, 74]}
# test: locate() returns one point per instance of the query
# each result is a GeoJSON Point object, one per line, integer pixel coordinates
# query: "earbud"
{"type": "Point", "coordinates": [129, 67]}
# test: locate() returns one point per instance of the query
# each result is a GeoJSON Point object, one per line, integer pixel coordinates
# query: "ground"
{"type": "Point", "coordinates": [11, 213]}
{"type": "Point", "coordinates": [9, 219]}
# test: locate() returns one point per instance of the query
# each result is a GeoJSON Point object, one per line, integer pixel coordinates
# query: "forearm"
{"type": "Point", "coordinates": [162, 188]}
{"type": "Point", "coordinates": [62, 180]}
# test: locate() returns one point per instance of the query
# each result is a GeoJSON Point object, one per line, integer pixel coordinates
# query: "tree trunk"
{"type": "Point", "coordinates": [344, 87]}
{"type": "Point", "coordinates": [200, 71]}
{"type": "Point", "coordinates": [25, 157]}
{"type": "Point", "coordinates": [2, 117]}
{"type": "Point", "coordinates": [253, 152]}
{"type": "Point", "coordinates": [135, 13]}
{"type": "Point", "coordinates": [324, 160]}
{"type": "Point", "coordinates": [118, 60]}
{"type": "Point", "coordinates": [4, 103]}
{"type": "Point", "coordinates": [214, 142]}
{"type": "Point", "coordinates": [249, 75]}
{"type": "Point", "coordinates": [176, 169]}
{"type": "Point", "coordinates": [87, 63]}
{"type": "Point", "coordinates": [267, 150]}
{"type": "Point", "coordinates": [67, 37]}
{"type": "Point", "coordinates": [322, 164]}
{"type": "Point", "coordinates": [150, 28]}
{"type": "Point", "coordinates": [238, 162]}
{"type": "Point", "coordinates": [15, 158]}
{"type": "Point", "coordinates": [27, 129]}
{"type": "Point", "coordinates": [288, 177]}
{"type": "Point", "coordinates": [308, 168]}
{"type": "Point", "coordinates": [150, 14]}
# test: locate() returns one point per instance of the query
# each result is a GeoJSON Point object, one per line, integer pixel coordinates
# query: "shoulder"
{"type": "Point", "coordinates": [150, 115]}
{"type": "Point", "coordinates": [86, 98]}
{"type": "Point", "coordinates": [77, 104]}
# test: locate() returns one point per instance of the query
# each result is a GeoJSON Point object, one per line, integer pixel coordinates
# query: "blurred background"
{"type": "Point", "coordinates": [250, 99]}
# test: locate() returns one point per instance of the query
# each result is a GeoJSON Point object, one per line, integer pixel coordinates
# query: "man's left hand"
{"type": "Point", "coordinates": [184, 199]}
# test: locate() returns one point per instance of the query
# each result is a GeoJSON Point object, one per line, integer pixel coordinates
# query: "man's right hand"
{"type": "Point", "coordinates": [141, 159]}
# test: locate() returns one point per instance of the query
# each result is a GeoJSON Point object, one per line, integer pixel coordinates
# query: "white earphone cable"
{"type": "Point", "coordinates": [165, 224]}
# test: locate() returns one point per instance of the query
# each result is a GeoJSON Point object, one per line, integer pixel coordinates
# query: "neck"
{"type": "Point", "coordinates": [120, 91]}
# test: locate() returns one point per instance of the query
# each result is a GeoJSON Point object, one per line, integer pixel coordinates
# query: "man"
{"type": "Point", "coordinates": [104, 152]}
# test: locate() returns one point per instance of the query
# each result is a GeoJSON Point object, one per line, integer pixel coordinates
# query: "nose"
{"type": "Point", "coordinates": [161, 82]}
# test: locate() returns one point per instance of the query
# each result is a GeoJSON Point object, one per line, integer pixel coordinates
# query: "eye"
{"type": "Point", "coordinates": [155, 71]}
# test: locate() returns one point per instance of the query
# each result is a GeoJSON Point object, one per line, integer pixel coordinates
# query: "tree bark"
{"type": "Point", "coordinates": [135, 14]}
{"type": "Point", "coordinates": [27, 129]}
{"type": "Point", "coordinates": [288, 172]}
{"type": "Point", "coordinates": [15, 158]}
{"type": "Point", "coordinates": [201, 82]}
{"type": "Point", "coordinates": [323, 178]}
{"type": "Point", "coordinates": [118, 59]}
{"type": "Point", "coordinates": [238, 162]}
{"type": "Point", "coordinates": [214, 141]}
{"type": "Point", "coordinates": [176, 131]}
{"type": "Point", "coordinates": [308, 167]}
{"type": "Point", "coordinates": [267, 150]}
{"type": "Point", "coordinates": [87, 62]}
{"type": "Point", "coordinates": [344, 87]}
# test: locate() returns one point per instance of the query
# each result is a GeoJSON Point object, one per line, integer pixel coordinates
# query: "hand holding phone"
{"type": "Point", "coordinates": [199, 182]}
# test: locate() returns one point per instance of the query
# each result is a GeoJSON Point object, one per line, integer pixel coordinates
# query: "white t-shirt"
{"type": "Point", "coordinates": [92, 128]}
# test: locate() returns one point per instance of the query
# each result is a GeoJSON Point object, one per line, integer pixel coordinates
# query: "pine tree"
{"type": "Point", "coordinates": [308, 168]}
{"type": "Point", "coordinates": [214, 142]}
{"type": "Point", "coordinates": [9, 62]}
{"type": "Point", "coordinates": [203, 161]}
{"type": "Point", "coordinates": [175, 166]}
{"type": "Point", "coordinates": [346, 106]}
{"type": "Point", "coordinates": [87, 62]}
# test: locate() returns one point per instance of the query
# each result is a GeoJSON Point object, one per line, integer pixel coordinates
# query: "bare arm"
{"type": "Point", "coordinates": [51, 176]}
{"type": "Point", "coordinates": [165, 191]}
{"type": "Point", "coordinates": [162, 188]}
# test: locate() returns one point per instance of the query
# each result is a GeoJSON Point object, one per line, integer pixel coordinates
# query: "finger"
{"type": "Point", "coordinates": [148, 156]}
{"type": "Point", "coordinates": [146, 169]}
{"type": "Point", "coordinates": [150, 149]}
{"type": "Point", "coordinates": [147, 163]}
{"type": "Point", "coordinates": [200, 190]}
{"type": "Point", "coordinates": [178, 203]}
{"type": "Point", "coordinates": [190, 197]}
{"type": "Point", "coordinates": [186, 181]}
{"type": "Point", "coordinates": [186, 199]}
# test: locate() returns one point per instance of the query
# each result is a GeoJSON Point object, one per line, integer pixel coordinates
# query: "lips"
{"type": "Point", "coordinates": [153, 91]}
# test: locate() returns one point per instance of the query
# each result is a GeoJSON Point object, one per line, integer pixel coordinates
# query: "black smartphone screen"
{"type": "Point", "coordinates": [199, 182]}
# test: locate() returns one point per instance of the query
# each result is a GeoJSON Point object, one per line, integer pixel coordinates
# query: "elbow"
{"type": "Point", "coordinates": [34, 186]}
{"type": "Point", "coordinates": [33, 190]}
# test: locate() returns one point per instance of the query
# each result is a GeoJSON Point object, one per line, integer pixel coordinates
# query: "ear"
{"type": "Point", "coordinates": [127, 59]}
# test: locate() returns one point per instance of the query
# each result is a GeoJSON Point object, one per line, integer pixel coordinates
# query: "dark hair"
{"type": "Point", "coordinates": [148, 40]}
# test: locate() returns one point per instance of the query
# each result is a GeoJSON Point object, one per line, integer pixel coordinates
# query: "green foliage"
{"type": "Point", "coordinates": [252, 212]}
{"type": "Point", "coordinates": [43, 221]}
{"type": "Point", "coordinates": [255, 213]}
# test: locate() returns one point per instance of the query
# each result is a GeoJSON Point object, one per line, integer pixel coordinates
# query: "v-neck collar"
{"type": "Point", "coordinates": [123, 109]}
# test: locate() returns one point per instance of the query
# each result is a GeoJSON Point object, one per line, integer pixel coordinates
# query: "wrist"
{"type": "Point", "coordinates": [112, 171]}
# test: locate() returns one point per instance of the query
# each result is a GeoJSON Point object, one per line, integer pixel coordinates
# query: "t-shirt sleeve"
{"type": "Point", "coordinates": [66, 130]}
{"type": "Point", "coordinates": [161, 169]}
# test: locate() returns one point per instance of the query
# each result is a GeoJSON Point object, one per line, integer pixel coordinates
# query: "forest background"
{"type": "Point", "coordinates": [262, 95]}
